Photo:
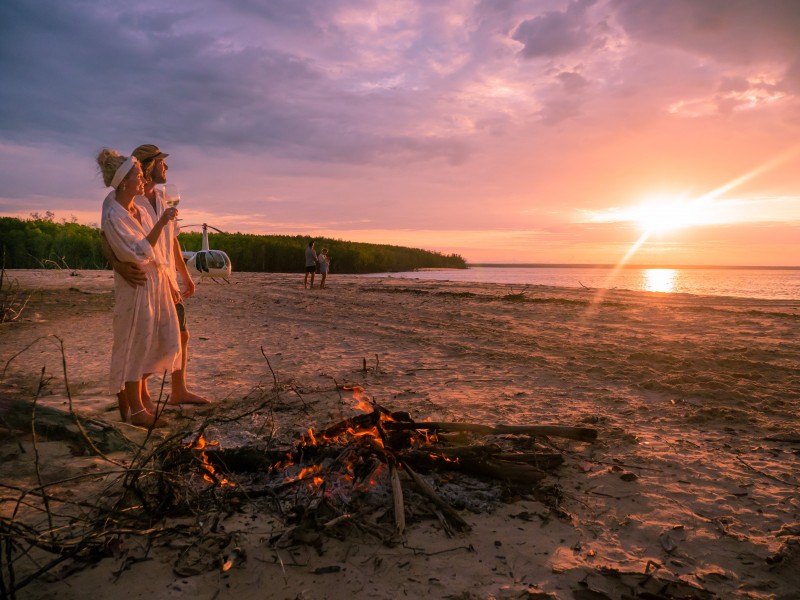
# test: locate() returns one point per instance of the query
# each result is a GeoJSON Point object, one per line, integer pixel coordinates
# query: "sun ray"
{"type": "Point", "coordinates": [701, 201]}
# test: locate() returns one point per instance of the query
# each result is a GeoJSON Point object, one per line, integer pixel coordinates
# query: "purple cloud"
{"type": "Point", "coordinates": [556, 33]}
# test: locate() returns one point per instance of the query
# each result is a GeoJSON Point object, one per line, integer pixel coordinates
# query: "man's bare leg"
{"type": "Point", "coordinates": [180, 393]}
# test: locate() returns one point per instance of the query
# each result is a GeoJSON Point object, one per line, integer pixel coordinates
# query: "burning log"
{"type": "Point", "coordinates": [488, 461]}
{"type": "Point", "coordinates": [581, 434]}
{"type": "Point", "coordinates": [337, 466]}
{"type": "Point", "coordinates": [365, 421]}
{"type": "Point", "coordinates": [542, 460]}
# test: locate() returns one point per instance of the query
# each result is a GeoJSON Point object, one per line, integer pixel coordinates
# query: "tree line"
{"type": "Point", "coordinates": [41, 242]}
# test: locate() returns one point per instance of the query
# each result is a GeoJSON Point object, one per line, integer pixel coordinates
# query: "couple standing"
{"type": "Point", "coordinates": [140, 243]}
{"type": "Point", "coordinates": [315, 261]}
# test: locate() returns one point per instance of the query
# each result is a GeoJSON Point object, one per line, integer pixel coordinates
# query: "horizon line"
{"type": "Point", "coordinates": [629, 266]}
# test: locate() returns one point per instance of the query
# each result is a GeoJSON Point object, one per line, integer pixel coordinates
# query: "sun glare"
{"type": "Point", "coordinates": [661, 216]}
{"type": "Point", "coordinates": [668, 214]}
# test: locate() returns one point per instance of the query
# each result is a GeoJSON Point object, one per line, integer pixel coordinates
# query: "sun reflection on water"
{"type": "Point", "coordinates": [659, 280]}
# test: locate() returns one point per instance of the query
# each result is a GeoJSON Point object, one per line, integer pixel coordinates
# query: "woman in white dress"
{"type": "Point", "coordinates": [146, 335]}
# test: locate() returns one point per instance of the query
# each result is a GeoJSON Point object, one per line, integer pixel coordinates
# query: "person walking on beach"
{"type": "Point", "coordinates": [324, 265]}
{"type": "Point", "coordinates": [311, 264]}
{"type": "Point", "coordinates": [146, 334]}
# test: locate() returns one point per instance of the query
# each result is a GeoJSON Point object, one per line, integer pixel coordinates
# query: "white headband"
{"type": "Point", "coordinates": [123, 170]}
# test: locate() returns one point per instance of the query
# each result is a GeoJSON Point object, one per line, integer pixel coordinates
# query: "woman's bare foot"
{"type": "Point", "coordinates": [144, 418]}
{"type": "Point", "coordinates": [188, 397]}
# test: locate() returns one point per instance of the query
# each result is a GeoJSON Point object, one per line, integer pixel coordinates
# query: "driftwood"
{"type": "Point", "coordinates": [582, 434]}
{"type": "Point", "coordinates": [54, 424]}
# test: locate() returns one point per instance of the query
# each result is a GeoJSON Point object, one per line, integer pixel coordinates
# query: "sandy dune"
{"type": "Point", "coordinates": [694, 477]}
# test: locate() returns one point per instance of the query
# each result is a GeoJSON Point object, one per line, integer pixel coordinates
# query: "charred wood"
{"type": "Point", "coordinates": [582, 434]}
{"type": "Point", "coordinates": [450, 513]}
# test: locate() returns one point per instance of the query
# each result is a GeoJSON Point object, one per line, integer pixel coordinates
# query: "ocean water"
{"type": "Point", "coordinates": [781, 284]}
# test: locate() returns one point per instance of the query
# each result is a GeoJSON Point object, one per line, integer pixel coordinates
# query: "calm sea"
{"type": "Point", "coordinates": [781, 284]}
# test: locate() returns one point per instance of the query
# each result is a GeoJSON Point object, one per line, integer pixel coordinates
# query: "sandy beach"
{"type": "Point", "coordinates": [690, 491]}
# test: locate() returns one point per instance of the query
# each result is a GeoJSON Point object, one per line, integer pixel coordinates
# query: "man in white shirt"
{"type": "Point", "coordinates": [155, 172]}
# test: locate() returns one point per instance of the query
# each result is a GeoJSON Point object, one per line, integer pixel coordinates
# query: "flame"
{"type": "Point", "coordinates": [365, 406]}
{"type": "Point", "coordinates": [313, 473]}
{"type": "Point", "coordinates": [309, 471]}
{"type": "Point", "coordinates": [209, 470]}
{"type": "Point", "coordinates": [371, 433]}
{"type": "Point", "coordinates": [372, 430]}
{"type": "Point", "coordinates": [312, 438]}
{"type": "Point", "coordinates": [444, 458]}
{"type": "Point", "coordinates": [362, 400]}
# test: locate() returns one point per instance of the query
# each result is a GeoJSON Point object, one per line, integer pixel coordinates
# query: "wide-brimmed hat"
{"type": "Point", "coordinates": [148, 152]}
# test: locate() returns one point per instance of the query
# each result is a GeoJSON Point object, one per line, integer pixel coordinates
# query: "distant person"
{"type": "Point", "coordinates": [311, 264]}
{"type": "Point", "coordinates": [324, 265]}
{"type": "Point", "coordinates": [146, 333]}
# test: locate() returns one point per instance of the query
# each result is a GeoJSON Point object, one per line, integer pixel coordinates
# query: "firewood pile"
{"type": "Point", "coordinates": [376, 471]}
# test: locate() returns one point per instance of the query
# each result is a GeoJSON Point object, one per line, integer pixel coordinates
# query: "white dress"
{"type": "Point", "coordinates": [324, 263]}
{"type": "Point", "coordinates": [146, 335]}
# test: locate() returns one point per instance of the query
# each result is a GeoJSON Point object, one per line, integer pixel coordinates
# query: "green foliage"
{"type": "Point", "coordinates": [40, 242]}
{"type": "Point", "coordinates": [286, 254]}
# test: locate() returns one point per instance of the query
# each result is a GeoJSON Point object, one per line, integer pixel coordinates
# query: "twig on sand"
{"type": "Point", "coordinates": [299, 395]}
{"type": "Point", "coordinates": [274, 376]}
{"type": "Point", "coordinates": [276, 384]}
{"type": "Point", "coordinates": [767, 475]}
{"type": "Point", "coordinates": [45, 499]}
{"type": "Point", "coordinates": [338, 390]}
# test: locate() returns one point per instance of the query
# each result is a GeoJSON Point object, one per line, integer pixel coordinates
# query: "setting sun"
{"type": "Point", "coordinates": [660, 216]}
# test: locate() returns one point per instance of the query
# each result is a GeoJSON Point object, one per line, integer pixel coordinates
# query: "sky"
{"type": "Point", "coordinates": [513, 131]}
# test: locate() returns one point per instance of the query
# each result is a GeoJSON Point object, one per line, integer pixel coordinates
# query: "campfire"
{"type": "Point", "coordinates": [365, 471]}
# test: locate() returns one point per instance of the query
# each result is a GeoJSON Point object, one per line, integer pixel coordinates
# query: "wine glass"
{"type": "Point", "coordinates": [171, 194]}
